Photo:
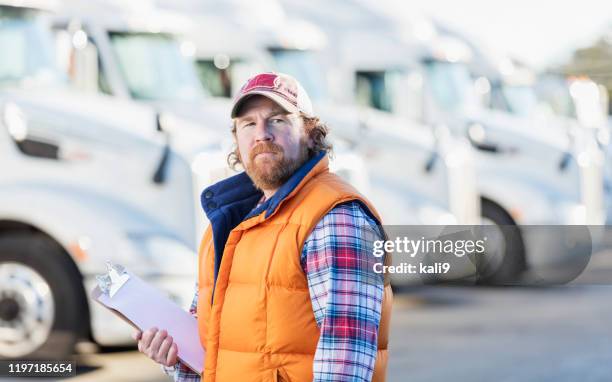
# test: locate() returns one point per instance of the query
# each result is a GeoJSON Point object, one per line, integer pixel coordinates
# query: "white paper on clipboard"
{"type": "Point", "coordinates": [144, 307]}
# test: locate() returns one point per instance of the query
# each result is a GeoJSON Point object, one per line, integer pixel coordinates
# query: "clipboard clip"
{"type": "Point", "coordinates": [113, 280]}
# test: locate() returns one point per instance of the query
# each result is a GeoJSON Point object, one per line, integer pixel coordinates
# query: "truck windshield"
{"type": "Point", "coordinates": [554, 91]}
{"type": "Point", "coordinates": [27, 47]}
{"type": "Point", "coordinates": [154, 67]}
{"type": "Point", "coordinates": [378, 89]}
{"type": "Point", "coordinates": [522, 100]}
{"type": "Point", "coordinates": [303, 65]}
{"type": "Point", "coordinates": [218, 81]}
{"type": "Point", "coordinates": [451, 87]}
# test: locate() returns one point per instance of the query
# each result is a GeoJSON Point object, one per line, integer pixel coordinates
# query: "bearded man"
{"type": "Point", "coordinates": [285, 289]}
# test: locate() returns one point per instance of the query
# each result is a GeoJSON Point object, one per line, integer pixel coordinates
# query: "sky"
{"type": "Point", "coordinates": [538, 32]}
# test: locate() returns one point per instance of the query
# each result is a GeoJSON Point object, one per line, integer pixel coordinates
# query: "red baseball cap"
{"type": "Point", "coordinates": [281, 88]}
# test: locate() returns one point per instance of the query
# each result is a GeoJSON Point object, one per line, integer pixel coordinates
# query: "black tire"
{"type": "Point", "coordinates": [513, 263]}
{"type": "Point", "coordinates": [41, 254]}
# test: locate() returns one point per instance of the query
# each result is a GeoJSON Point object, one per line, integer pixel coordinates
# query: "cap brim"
{"type": "Point", "coordinates": [279, 100]}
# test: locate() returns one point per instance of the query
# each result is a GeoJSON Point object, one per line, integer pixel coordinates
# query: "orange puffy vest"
{"type": "Point", "coordinates": [260, 325]}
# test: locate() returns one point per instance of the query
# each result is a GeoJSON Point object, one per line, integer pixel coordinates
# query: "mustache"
{"type": "Point", "coordinates": [266, 147]}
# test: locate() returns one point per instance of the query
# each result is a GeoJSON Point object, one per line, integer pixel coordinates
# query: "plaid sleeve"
{"type": "Point", "coordinates": [179, 372]}
{"type": "Point", "coordinates": [346, 298]}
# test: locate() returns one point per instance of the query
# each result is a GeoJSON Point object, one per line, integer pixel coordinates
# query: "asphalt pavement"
{"type": "Point", "coordinates": [443, 333]}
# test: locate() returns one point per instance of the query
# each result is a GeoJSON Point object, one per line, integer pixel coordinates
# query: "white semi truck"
{"type": "Point", "coordinates": [405, 65]}
{"type": "Point", "coordinates": [141, 54]}
{"type": "Point", "coordinates": [84, 179]}
{"type": "Point", "coordinates": [416, 176]}
{"type": "Point", "coordinates": [570, 111]}
{"type": "Point", "coordinates": [575, 107]}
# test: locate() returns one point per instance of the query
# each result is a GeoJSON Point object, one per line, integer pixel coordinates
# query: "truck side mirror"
{"type": "Point", "coordinates": [84, 62]}
{"type": "Point", "coordinates": [590, 102]}
{"type": "Point", "coordinates": [605, 100]}
{"type": "Point", "coordinates": [408, 96]}
{"type": "Point", "coordinates": [16, 122]}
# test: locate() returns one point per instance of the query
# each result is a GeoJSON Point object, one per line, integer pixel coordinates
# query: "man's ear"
{"type": "Point", "coordinates": [235, 148]}
{"type": "Point", "coordinates": [309, 142]}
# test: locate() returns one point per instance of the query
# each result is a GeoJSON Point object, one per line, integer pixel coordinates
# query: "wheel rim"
{"type": "Point", "coordinates": [26, 310]}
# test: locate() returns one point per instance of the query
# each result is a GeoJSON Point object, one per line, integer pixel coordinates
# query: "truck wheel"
{"type": "Point", "coordinates": [506, 268]}
{"type": "Point", "coordinates": [40, 299]}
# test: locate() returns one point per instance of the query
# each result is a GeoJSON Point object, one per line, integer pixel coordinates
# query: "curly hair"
{"type": "Point", "coordinates": [315, 129]}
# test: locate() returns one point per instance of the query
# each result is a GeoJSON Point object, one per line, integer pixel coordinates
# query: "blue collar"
{"type": "Point", "coordinates": [231, 201]}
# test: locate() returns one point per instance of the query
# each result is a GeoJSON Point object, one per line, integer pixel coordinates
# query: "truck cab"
{"type": "Point", "coordinates": [86, 179]}
{"type": "Point", "coordinates": [144, 54]}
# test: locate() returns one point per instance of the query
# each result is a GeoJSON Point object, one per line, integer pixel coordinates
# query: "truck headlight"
{"type": "Point", "coordinates": [572, 213]}
{"type": "Point", "coordinates": [15, 121]}
{"type": "Point", "coordinates": [476, 133]}
{"type": "Point", "coordinates": [603, 136]}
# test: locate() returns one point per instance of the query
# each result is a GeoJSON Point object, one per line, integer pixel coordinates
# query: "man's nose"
{"type": "Point", "coordinates": [262, 131]}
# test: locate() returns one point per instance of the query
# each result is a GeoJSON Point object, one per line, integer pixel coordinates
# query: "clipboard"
{"type": "Point", "coordinates": [143, 307]}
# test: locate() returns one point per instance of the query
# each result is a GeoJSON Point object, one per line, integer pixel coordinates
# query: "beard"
{"type": "Point", "coordinates": [271, 172]}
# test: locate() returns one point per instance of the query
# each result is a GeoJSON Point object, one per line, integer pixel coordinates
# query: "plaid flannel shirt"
{"type": "Point", "coordinates": [337, 260]}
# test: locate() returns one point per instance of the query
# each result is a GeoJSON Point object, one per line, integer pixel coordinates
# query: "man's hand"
{"type": "Point", "coordinates": [157, 345]}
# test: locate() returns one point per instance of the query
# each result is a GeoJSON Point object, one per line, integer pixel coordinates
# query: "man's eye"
{"type": "Point", "coordinates": [248, 124]}
{"type": "Point", "coordinates": [277, 120]}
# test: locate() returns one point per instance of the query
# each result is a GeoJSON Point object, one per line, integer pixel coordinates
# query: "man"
{"type": "Point", "coordinates": [286, 290]}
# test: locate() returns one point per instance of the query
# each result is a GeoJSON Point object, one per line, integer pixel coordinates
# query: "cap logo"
{"type": "Point", "coordinates": [266, 80]}
{"type": "Point", "coordinates": [281, 85]}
